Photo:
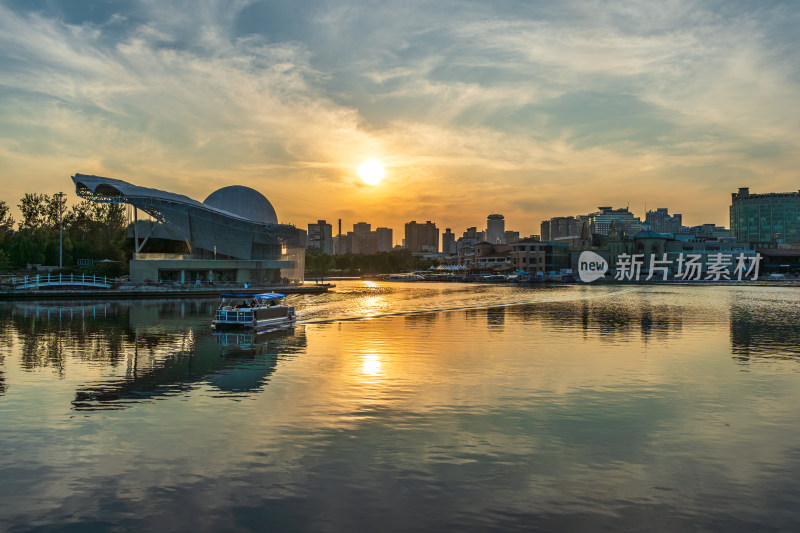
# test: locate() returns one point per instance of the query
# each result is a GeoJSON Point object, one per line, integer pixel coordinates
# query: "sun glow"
{"type": "Point", "coordinates": [371, 172]}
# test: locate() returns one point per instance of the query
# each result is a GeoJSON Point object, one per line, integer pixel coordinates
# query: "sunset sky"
{"type": "Point", "coordinates": [531, 109]}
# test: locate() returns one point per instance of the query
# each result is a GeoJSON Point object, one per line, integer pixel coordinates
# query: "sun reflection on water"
{"type": "Point", "coordinates": [371, 365]}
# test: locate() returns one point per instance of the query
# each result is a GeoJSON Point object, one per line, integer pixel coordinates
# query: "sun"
{"type": "Point", "coordinates": [371, 172]}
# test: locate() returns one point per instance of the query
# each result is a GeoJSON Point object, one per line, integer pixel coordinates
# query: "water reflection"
{"type": "Point", "coordinates": [371, 365]}
{"type": "Point", "coordinates": [230, 364]}
{"type": "Point", "coordinates": [496, 318]}
{"type": "Point", "coordinates": [765, 329]}
{"type": "Point", "coordinates": [148, 349]}
{"type": "Point", "coordinates": [49, 332]}
{"type": "Point", "coordinates": [531, 416]}
{"type": "Point", "coordinates": [612, 322]}
{"type": "Point", "coordinates": [421, 321]}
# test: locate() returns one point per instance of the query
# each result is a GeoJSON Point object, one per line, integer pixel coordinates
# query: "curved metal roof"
{"type": "Point", "coordinates": [202, 226]}
{"type": "Point", "coordinates": [111, 187]}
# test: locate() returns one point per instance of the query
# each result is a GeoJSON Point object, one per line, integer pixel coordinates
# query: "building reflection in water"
{"type": "Point", "coordinates": [166, 347]}
{"type": "Point", "coordinates": [609, 322]}
{"type": "Point", "coordinates": [765, 329]}
{"type": "Point", "coordinates": [230, 364]}
{"type": "Point", "coordinates": [423, 320]}
{"type": "Point", "coordinates": [496, 318]}
{"type": "Point", "coordinates": [49, 332]}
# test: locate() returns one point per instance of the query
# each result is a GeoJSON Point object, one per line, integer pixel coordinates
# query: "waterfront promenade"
{"type": "Point", "coordinates": [69, 286]}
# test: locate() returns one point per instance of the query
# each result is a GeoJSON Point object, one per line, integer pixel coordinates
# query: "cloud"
{"type": "Point", "coordinates": [530, 109]}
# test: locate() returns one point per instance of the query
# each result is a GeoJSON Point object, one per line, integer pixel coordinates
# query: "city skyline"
{"type": "Point", "coordinates": [533, 110]}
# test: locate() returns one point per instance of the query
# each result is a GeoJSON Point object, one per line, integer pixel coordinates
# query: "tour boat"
{"type": "Point", "coordinates": [405, 277]}
{"type": "Point", "coordinates": [252, 312]}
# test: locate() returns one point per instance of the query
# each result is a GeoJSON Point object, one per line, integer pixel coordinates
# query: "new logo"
{"type": "Point", "coordinates": [591, 266]}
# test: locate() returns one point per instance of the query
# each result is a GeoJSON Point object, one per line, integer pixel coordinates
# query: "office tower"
{"type": "Point", "coordinates": [448, 242]}
{"type": "Point", "coordinates": [422, 237]}
{"type": "Point", "coordinates": [662, 222]}
{"type": "Point", "coordinates": [622, 218]}
{"type": "Point", "coordinates": [320, 237]}
{"type": "Point", "coordinates": [384, 238]}
{"type": "Point", "coordinates": [765, 218]}
{"type": "Point", "coordinates": [510, 237]}
{"type": "Point", "coordinates": [495, 227]}
{"type": "Point", "coordinates": [559, 228]}
{"type": "Point", "coordinates": [362, 239]}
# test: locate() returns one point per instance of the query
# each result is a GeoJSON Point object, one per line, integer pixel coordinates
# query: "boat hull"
{"type": "Point", "coordinates": [253, 319]}
{"type": "Point", "coordinates": [258, 325]}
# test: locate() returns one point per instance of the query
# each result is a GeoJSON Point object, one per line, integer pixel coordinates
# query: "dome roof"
{"type": "Point", "coordinates": [648, 234]}
{"type": "Point", "coordinates": [243, 201]}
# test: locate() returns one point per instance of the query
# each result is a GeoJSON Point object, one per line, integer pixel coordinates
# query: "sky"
{"type": "Point", "coordinates": [531, 109]}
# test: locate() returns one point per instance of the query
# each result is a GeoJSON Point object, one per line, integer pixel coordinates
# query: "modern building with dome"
{"type": "Point", "coordinates": [233, 235]}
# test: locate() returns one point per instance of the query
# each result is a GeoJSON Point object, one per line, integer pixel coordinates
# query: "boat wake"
{"type": "Point", "coordinates": [464, 308]}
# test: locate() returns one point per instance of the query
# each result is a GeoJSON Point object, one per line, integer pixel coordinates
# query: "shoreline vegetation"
{"type": "Point", "coordinates": [97, 234]}
{"type": "Point", "coordinates": [87, 230]}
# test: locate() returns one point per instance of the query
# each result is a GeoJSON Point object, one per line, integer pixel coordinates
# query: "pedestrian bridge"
{"type": "Point", "coordinates": [60, 280]}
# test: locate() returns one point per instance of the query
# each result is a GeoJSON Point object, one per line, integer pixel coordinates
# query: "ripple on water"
{"type": "Point", "coordinates": [408, 406]}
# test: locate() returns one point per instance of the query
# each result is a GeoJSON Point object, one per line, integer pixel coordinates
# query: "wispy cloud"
{"type": "Point", "coordinates": [528, 108]}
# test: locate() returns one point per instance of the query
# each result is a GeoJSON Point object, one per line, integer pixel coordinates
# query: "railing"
{"type": "Point", "coordinates": [55, 280]}
{"type": "Point", "coordinates": [234, 316]}
{"type": "Point", "coordinates": [157, 256]}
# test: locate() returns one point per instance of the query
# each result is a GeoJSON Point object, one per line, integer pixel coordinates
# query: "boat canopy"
{"type": "Point", "coordinates": [263, 295]}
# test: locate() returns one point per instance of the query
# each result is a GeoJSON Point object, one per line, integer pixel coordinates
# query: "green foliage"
{"type": "Point", "coordinates": [5, 262]}
{"type": "Point", "coordinates": [34, 208]}
{"type": "Point", "coordinates": [6, 223]}
{"type": "Point", "coordinates": [90, 230]}
{"type": "Point", "coordinates": [318, 264]}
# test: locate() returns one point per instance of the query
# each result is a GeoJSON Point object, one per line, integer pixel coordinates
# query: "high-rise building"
{"type": "Point", "coordinates": [495, 227]}
{"type": "Point", "coordinates": [622, 218]}
{"type": "Point", "coordinates": [320, 237]}
{"type": "Point", "coordinates": [384, 238]}
{"type": "Point", "coordinates": [510, 237]}
{"type": "Point", "coordinates": [362, 239]}
{"type": "Point", "coordinates": [362, 228]}
{"type": "Point", "coordinates": [471, 237]}
{"type": "Point", "coordinates": [765, 218]}
{"type": "Point", "coordinates": [563, 228]}
{"type": "Point", "coordinates": [449, 242]}
{"type": "Point", "coordinates": [572, 228]}
{"type": "Point", "coordinates": [708, 231]}
{"type": "Point", "coordinates": [662, 222]}
{"type": "Point", "coordinates": [422, 237]}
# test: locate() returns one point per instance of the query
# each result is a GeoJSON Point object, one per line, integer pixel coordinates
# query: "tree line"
{"type": "Point", "coordinates": [98, 231]}
{"type": "Point", "coordinates": [320, 264]}
{"type": "Point", "coordinates": [89, 230]}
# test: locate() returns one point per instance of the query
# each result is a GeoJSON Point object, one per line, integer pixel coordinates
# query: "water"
{"type": "Point", "coordinates": [408, 406]}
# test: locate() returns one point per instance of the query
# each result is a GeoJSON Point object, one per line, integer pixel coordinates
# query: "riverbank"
{"type": "Point", "coordinates": [154, 292]}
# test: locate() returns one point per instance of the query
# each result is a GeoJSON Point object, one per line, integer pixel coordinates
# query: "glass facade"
{"type": "Point", "coordinates": [765, 218]}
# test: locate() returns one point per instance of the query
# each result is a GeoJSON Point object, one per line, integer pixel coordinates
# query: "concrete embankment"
{"type": "Point", "coordinates": [151, 292]}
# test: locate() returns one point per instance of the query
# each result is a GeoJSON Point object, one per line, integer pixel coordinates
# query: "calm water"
{"type": "Point", "coordinates": [408, 407]}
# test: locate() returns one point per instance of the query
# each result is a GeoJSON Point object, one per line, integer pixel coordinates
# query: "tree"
{"type": "Point", "coordinates": [34, 210]}
{"type": "Point", "coordinates": [54, 208]}
{"type": "Point", "coordinates": [6, 222]}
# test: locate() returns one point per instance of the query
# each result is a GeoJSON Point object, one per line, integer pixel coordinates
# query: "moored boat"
{"type": "Point", "coordinates": [405, 277]}
{"type": "Point", "coordinates": [253, 312]}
